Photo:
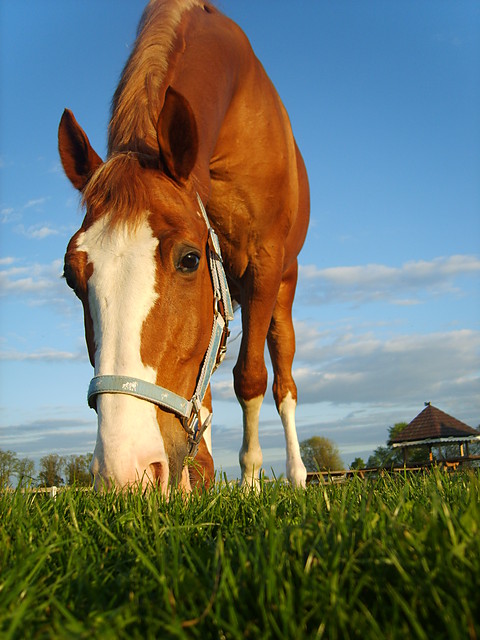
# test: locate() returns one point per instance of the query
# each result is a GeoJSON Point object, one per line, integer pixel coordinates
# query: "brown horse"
{"type": "Point", "coordinates": [194, 113]}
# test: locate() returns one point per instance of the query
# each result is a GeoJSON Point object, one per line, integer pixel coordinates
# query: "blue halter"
{"type": "Point", "coordinates": [187, 410]}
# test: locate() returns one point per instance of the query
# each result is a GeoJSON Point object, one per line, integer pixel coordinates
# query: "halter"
{"type": "Point", "coordinates": [187, 410]}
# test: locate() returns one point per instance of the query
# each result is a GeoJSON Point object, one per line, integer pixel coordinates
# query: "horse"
{"type": "Point", "coordinates": [203, 199]}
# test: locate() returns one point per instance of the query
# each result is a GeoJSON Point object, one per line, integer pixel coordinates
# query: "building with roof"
{"type": "Point", "coordinates": [434, 428]}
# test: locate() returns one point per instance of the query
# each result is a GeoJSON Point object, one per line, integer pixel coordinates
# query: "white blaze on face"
{"type": "Point", "coordinates": [121, 294]}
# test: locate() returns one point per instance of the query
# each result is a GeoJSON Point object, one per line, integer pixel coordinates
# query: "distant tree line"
{"type": "Point", "coordinates": [54, 470]}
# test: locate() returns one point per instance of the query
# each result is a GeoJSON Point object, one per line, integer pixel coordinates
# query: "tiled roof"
{"type": "Point", "coordinates": [432, 423]}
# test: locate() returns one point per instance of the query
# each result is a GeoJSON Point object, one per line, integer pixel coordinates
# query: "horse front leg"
{"type": "Point", "coordinates": [281, 345]}
{"type": "Point", "coordinates": [250, 373]}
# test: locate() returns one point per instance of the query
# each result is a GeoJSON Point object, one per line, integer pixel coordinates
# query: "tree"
{"type": "Point", "coordinates": [8, 463]}
{"type": "Point", "coordinates": [358, 463]}
{"type": "Point", "coordinates": [25, 471]}
{"type": "Point", "coordinates": [416, 455]}
{"type": "Point", "coordinates": [50, 469]}
{"type": "Point", "coordinates": [382, 457]}
{"type": "Point", "coordinates": [387, 457]}
{"type": "Point", "coordinates": [320, 454]}
{"type": "Point", "coordinates": [396, 430]}
{"type": "Point", "coordinates": [77, 470]}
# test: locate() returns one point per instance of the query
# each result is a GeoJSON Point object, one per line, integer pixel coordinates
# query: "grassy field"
{"type": "Point", "coordinates": [387, 558]}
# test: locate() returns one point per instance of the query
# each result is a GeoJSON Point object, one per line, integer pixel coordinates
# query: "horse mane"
{"type": "Point", "coordinates": [118, 187]}
{"type": "Point", "coordinates": [138, 100]}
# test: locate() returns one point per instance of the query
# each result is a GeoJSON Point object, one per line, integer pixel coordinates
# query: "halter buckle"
{"type": "Point", "coordinates": [195, 428]}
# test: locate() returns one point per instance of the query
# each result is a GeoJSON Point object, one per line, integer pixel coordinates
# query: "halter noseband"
{"type": "Point", "coordinates": [187, 410]}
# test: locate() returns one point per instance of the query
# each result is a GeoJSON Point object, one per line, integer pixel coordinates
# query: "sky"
{"type": "Point", "coordinates": [384, 103]}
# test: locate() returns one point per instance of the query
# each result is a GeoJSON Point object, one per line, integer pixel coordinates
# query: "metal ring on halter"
{"type": "Point", "coordinates": [195, 430]}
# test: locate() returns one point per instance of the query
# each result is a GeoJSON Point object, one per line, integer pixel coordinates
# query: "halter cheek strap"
{"type": "Point", "coordinates": [187, 410]}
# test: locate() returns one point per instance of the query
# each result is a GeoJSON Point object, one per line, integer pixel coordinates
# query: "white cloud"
{"type": "Point", "coordinates": [43, 355]}
{"type": "Point", "coordinates": [34, 203]}
{"type": "Point", "coordinates": [31, 279]}
{"type": "Point", "coordinates": [375, 282]}
{"type": "Point", "coordinates": [14, 214]}
{"type": "Point", "coordinates": [346, 369]}
{"type": "Point", "coordinates": [42, 232]}
{"type": "Point", "coordinates": [353, 386]}
{"type": "Point", "coordinates": [37, 284]}
{"type": "Point", "coordinates": [37, 232]}
{"type": "Point", "coordinates": [37, 438]}
{"type": "Point", "coordinates": [7, 214]}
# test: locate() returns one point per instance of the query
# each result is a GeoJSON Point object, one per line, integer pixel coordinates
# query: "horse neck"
{"type": "Point", "coordinates": [140, 94]}
{"type": "Point", "coordinates": [171, 49]}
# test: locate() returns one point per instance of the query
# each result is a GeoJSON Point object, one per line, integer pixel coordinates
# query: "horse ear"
{"type": "Point", "coordinates": [78, 158]}
{"type": "Point", "coordinates": [177, 136]}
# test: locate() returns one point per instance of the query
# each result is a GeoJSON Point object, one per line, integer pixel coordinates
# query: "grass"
{"type": "Point", "coordinates": [388, 558]}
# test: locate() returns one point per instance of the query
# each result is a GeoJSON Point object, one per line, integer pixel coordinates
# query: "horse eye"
{"type": "Point", "coordinates": [189, 262]}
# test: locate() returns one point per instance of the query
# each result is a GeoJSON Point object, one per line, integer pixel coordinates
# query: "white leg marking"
{"type": "Point", "coordinates": [250, 454]}
{"type": "Point", "coordinates": [296, 471]}
{"type": "Point", "coordinates": [121, 293]}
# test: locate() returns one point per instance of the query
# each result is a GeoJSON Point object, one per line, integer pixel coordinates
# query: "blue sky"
{"type": "Point", "coordinates": [384, 101]}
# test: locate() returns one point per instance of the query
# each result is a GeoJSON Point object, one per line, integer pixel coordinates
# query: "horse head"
{"type": "Point", "coordinates": [139, 264]}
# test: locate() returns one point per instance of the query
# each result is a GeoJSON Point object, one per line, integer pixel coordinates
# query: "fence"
{"type": "Point", "coordinates": [317, 477]}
